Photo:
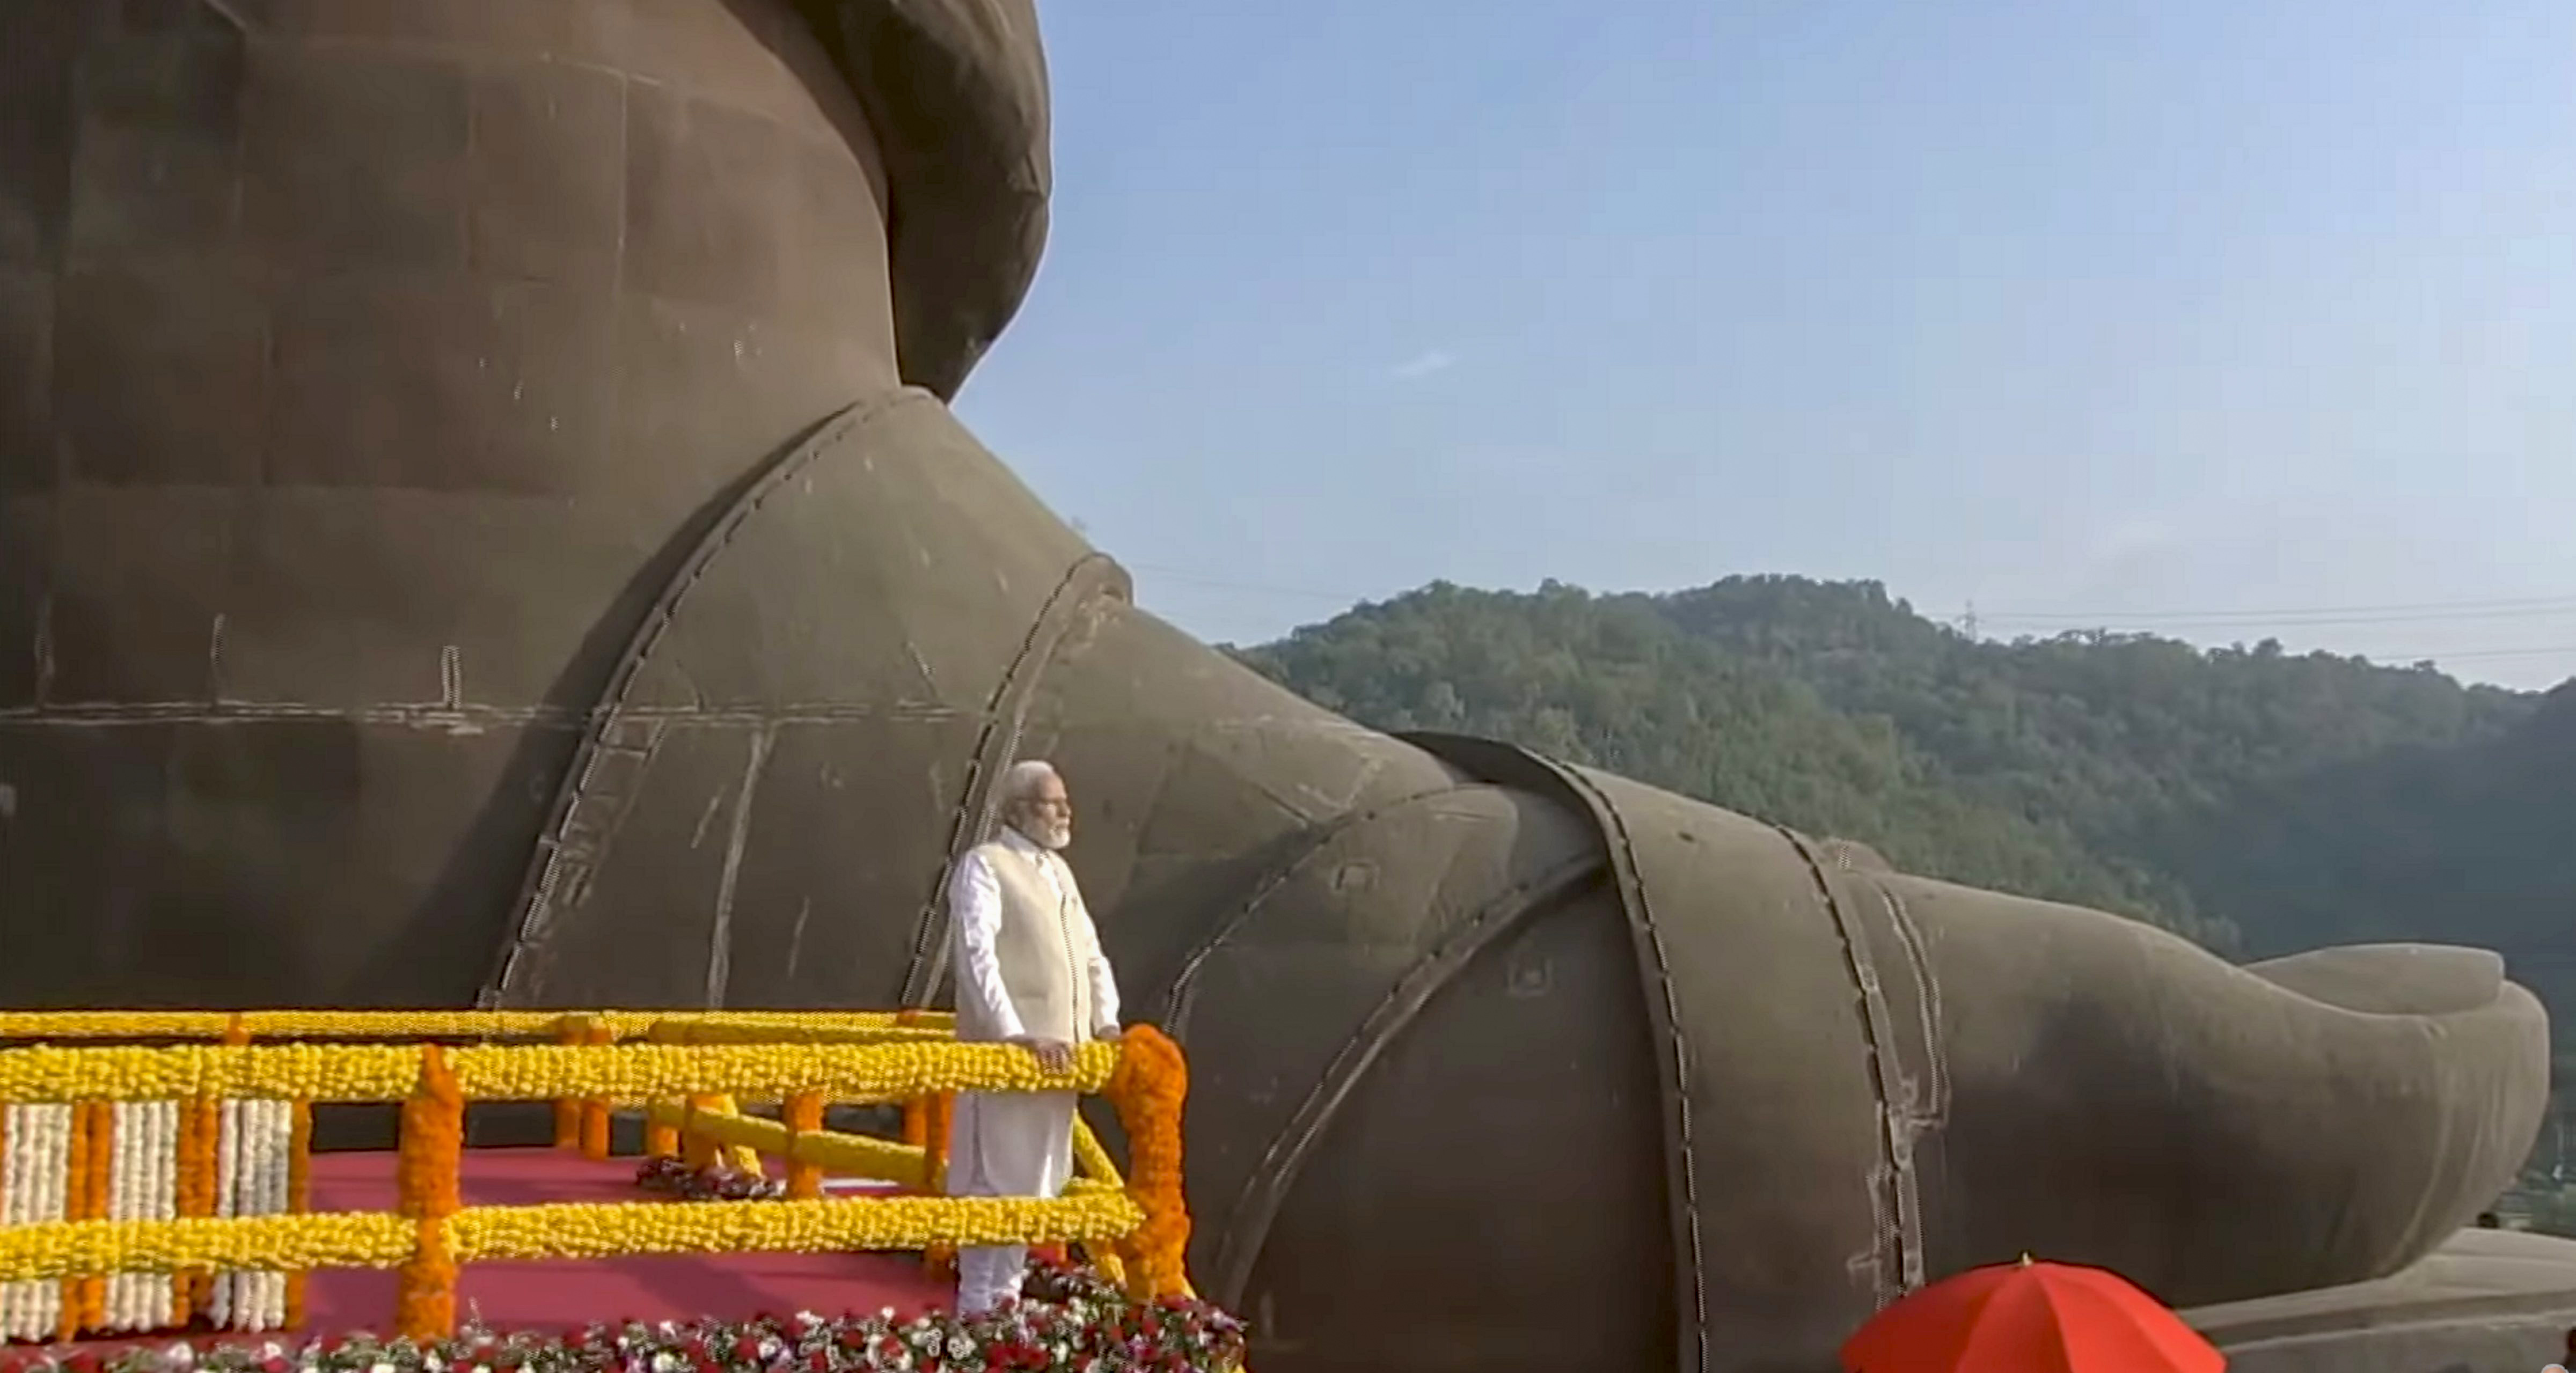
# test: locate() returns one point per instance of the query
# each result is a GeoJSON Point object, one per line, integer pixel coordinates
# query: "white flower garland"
{"type": "Point", "coordinates": [143, 1186]}
{"type": "Point", "coordinates": [253, 1163]}
{"type": "Point", "coordinates": [271, 1126]}
{"type": "Point", "coordinates": [33, 1171]}
{"type": "Point", "coordinates": [251, 1180]}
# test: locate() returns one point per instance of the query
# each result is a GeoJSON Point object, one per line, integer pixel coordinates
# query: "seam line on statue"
{"type": "Point", "coordinates": [561, 849]}
{"type": "Point", "coordinates": [1183, 993]}
{"type": "Point", "coordinates": [1091, 577]}
{"type": "Point", "coordinates": [1895, 1207]}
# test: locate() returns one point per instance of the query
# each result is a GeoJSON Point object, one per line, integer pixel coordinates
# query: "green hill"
{"type": "Point", "coordinates": [2257, 800]}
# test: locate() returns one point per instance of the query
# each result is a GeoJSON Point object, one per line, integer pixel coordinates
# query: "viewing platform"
{"type": "Point", "coordinates": [162, 1181]}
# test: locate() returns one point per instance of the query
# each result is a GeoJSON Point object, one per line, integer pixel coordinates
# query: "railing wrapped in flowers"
{"type": "Point", "coordinates": [1148, 1088]}
{"type": "Point", "coordinates": [155, 1223]}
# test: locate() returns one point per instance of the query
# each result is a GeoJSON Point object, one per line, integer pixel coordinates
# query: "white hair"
{"type": "Point", "coordinates": [1021, 781]}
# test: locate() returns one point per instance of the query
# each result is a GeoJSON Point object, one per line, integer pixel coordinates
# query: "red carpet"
{"type": "Point", "coordinates": [565, 1296]}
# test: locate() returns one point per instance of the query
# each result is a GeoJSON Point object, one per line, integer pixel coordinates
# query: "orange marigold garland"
{"type": "Point", "coordinates": [88, 1178]}
{"type": "Point", "coordinates": [1149, 1087]}
{"type": "Point", "coordinates": [803, 1114]}
{"type": "Point", "coordinates": [433, 1142]}
{"type": "Point", "coordinates": [183, 1204]}
{"type": "Point", "coordinates": [299, 1195]}
{"type": "Point", "coordinates": [202, 1173]}
{"type": "Point", "coordinates": [660, 1140]}
{"type": "Point", "coordinates": [594, 1110]}
{"type": "Point", "coordinates": [700, 1150]}
{"type": "Point", "coordinates": [938, 1114]}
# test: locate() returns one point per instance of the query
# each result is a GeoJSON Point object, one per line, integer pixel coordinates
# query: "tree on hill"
{"type": "Point", "coordinates": [2252, 798]}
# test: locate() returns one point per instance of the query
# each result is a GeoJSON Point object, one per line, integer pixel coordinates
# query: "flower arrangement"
{"type": "Point", "coordinates": [673, 1177]}
{"type": "Point", "coordinates": [1148, 1088]}
{"type": "Point", "coordinates": [1069, 1320]}
{"type": "Point", "coordinates": [427, 1183]}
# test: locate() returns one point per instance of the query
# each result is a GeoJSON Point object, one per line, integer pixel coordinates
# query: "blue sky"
{"type": "Point", "coordinates": [2220, 318]}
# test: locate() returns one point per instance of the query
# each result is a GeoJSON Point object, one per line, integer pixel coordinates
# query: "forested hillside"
{"type": "Point", "coordinates": [2253, 799]}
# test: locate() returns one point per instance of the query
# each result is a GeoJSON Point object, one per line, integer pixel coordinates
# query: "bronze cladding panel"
{"type": "Point", "coordinates": [363, 368]}
{"type": "Point", "coordinates": [1489, 1188]}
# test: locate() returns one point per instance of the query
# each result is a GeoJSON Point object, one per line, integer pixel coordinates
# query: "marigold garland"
{"type": "Point", "coordinates": [241, 1245]}
{"type": "Point", "coordinates": [428, 1173]}
{"type": "Point", "coordinates": [102, 1181]}
{"type": "Point", "coordinates": [73, 1311]}
{"type": "Point", "coordinates": [594, 1230]}
{"type": "Point", "coordinates": [802, 1114]}
{"type": "Point", "coordinates": [299, 1199]}
{"type": "Point", "coordinates": [1149, 1089]}
{"type": "Point", "coordinates": [422, 1024]}
{"type": "Point", "coordinates": [711, 1131]}
{"type": "Point", "coordinates": [939, 1260]}
{"type": "Point", "coordinates": [538, 1072]}
{"type": "Point", "coordinates": [568, 1230]}
{"type": "Point", "coordinates": [698, 1147]}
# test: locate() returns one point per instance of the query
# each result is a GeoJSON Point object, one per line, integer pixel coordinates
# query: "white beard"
{"type": "Point", "coordinates": [1052, 838]}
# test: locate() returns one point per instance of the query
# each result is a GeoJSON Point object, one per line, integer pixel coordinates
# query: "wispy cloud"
{"type": "Point", "coordinates": [1436, 360]}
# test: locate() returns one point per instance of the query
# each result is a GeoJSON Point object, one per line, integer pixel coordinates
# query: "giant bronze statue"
{"type": "Point", "coordinates": [479, 520]}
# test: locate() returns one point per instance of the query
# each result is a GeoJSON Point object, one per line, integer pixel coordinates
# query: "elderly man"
{"type": "Point", "coordinates": [1029, 972]}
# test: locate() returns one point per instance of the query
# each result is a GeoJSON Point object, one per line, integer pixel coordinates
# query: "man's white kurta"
{"type": "Point", "coordinates": [1009, 1144]}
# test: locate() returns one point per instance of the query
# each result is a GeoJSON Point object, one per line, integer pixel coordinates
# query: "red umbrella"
{"type": "Point", "coordinates": [2030, 1318]}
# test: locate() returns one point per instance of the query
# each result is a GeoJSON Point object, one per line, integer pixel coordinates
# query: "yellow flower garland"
{"type": "Point", "coordinates": [77, 1248]}
{"type": "Point", "coordinates": [580, 1230]}
{"type": "Point", "coordinates": [538, 1072]}
{"type": "Point", "coordinates": [423, 1024]}
{"type": "Point", "coordinates": [801, 1060]}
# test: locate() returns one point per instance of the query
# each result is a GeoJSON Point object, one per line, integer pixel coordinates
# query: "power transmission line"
{"type": "Point", "coordinates": [2446, 656]}
{"type": "Point", "coordinates": [2350, 614]}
